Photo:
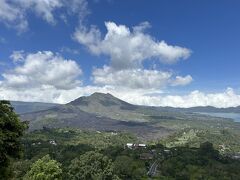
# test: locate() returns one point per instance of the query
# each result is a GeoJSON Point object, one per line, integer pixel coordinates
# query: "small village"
{"type": "Point", "coordinates": [153, 154]}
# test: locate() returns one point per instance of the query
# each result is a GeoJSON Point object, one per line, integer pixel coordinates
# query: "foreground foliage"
{"type": "Point", "coordinates": [11, 129]}
{"type": "Point", "coordinates": [44, 169]}
{"type": "Point", "coordinates": [199, 163]}
{"type": "Point", "coordinates": [91, 165]}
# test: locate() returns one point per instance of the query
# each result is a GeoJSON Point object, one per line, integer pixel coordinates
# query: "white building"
{"type": "Point", "coordinates": [132, 145]}
{"type": "Point", "coordinates": [53, 142]}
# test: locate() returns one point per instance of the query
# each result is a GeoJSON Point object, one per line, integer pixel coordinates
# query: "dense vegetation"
{"type": "Point", "coordinates": [11, 129]}
{"type": "Point", "coordinates": [44, 168]}
{"type": "Point", "coordinates": [68, 153]}
{"type": "Point", "coordinates": [199, 163]}
{"type": "Point", "coordinates": [227, 142]}
{"type": "Point", "coordinates": [76, 154]}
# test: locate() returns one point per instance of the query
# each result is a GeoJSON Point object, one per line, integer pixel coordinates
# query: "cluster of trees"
{"type": "Point", "coordinates": [11, 129]}
{"type": "Point", "coordinates": [44, 168]}
{"type": "Point", "coordinates": [112, 163]}
{"type": "Point", "coordinates": [91, 165]}
{"type": "Point", "coordinates": [199, 163]}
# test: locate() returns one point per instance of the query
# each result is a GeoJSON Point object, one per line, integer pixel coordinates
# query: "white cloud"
{"type": "Point", "coordinates": [142, 27]}
{"type": "Point", "coordinates": [48, 93]}
{"type": "Point", "coordinates": [48, 77]}
{"type": "Point", "coordinates": [79, 7]}
{"type": "Point", "coordinates": [42, 8]}
{"type": "Point", "coordinates": [17, 56]}
{"type": "Point", "coordinates": [136, 78]}
{"type": "Point", "coordinates": [41, 70]}
{"type": "Point", "coordinates": [228, 98]}
{"type": "Point", "coordinates": [182, 81]}
{"type": "Point", "coordinates": [126, 48]}
{"type": "Point", "coordinates": [14, 13]}
{"type": "Point", "coordinates": [91, 37]}
{"type": "Point", "coordinates": [11, 15]}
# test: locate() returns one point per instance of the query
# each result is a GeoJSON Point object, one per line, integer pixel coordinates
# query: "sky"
{"type": "Point", "coordinates": [158, 53]}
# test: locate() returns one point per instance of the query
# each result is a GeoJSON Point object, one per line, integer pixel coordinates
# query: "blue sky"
{"type": "Point", "coordinates": [186, 54]}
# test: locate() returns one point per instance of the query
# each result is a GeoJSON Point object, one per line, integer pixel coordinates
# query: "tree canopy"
{"type": "Point", "coordinates": [11, 129]}
{"type": "Point", "coordinates": [92, 165]}
{"type": "Point", "coordinates": [45, 169]}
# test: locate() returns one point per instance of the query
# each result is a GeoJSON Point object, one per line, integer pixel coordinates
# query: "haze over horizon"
{"type": "Point", "coordinates": [179, 54]}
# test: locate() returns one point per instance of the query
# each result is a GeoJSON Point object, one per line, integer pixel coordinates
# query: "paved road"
{"type": "Point", "coordinates": [153, 169]}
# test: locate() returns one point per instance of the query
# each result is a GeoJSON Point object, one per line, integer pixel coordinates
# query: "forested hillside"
{"type": "Point", "coordinates": [76, 154]}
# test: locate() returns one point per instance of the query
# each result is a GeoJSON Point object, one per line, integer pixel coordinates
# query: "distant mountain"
{"type": "Point", "coordinates": [72, 115]}
{"type": "Point", "coordinates": [28, 107]}
{"type": "Point", "coordinates": [105, 112]}
{"type": "Point", "coordinates": [90, 111]}
{"type": "Point", "coordinates": [108, 106]}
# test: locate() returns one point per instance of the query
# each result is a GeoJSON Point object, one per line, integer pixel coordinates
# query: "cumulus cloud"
{"type": "Point", "coordinates": [13, 13]}
{"type": "Point", "coordinates": [48, 93]}
{"type": "Point", "coordinates": [48, 77]}
{"type": "Point", "coordinates": [228, 98]}
{"type": "Point", "coordinates": [41, 70]}
{"type": "Point", "coordinates": [79, 7]}
{"type": "Point", "coordinates": [126, 48]}
{"type": "Point", "coordinates": [89, 37]}
{"type": "Point", "coordinates": [137, 78]}
{"type": "Point", "coordinates": [17, 56]}
{"type": "Point", "coordinates": [43, 9]}
{"type": "Point", "coordinates": [142, 27]}
{"type": "Point", "coordinates": [182, 81]}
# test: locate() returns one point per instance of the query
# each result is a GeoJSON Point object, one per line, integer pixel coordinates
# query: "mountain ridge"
{"type": "Point", "coordinates": [107, 99]}
{"type": "Point", "coordinates": [105, 112]}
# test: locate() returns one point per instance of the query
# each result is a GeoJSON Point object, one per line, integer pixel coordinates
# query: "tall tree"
{"type": "Point", "coordinates": [128, 168]}
{"type": "Point", "coordinates": [92, 166]}
{"type": "Point", "coordinates": [44, 169]}
{"type": "Point", "coordinates": [11, 129]}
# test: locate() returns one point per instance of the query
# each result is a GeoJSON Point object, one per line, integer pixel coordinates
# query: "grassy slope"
{"type": "Point", "coordinates": [71, 136]}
